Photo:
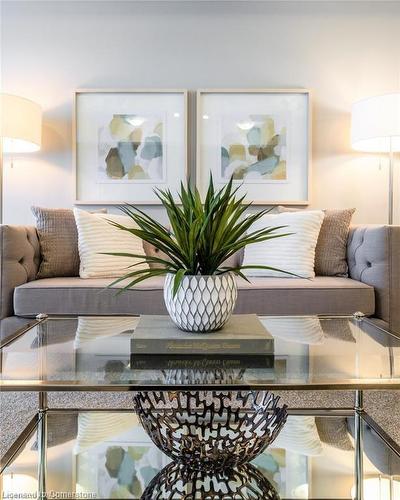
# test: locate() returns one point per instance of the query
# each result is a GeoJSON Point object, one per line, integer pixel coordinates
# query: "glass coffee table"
{"type": "Point", "coordinates": [145, 452]}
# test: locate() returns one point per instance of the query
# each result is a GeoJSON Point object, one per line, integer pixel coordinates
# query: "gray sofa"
{"type": "Point", "coordinates": [373, 285]}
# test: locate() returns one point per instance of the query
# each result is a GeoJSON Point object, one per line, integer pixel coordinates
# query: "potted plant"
{"type": "Point", "coordinates": [200, 288]}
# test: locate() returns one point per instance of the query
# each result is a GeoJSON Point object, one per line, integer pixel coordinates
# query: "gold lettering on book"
{"type": "Point", "coordinates": [201, 346]}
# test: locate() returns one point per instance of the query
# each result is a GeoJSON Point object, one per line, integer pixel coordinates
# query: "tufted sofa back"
{"type": "Point", "coordinates": [20, 259]}
{"type": "Point", "coordinates": [373, 256]}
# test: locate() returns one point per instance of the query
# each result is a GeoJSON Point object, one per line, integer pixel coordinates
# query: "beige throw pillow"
{"type": "Point", "coordinates": [300, 435]}
{"type": "Point", "coordinates": [96, 235]}
{"type": "Point", "coordinates": [330, 253]}
{"type": "Point", "coordinates": [294, 253]}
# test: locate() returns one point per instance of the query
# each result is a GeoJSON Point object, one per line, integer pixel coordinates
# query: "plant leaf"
{"type": "Point", "coordinates": [201, 235]}
{"type": "Point", "coordinates": [178, 280]}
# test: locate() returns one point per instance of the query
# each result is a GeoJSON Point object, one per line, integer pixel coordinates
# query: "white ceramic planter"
{"type": "Point", "coordinates": [202, 303]}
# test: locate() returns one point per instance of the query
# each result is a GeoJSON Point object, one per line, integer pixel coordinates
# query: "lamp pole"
{"type": "Point", "coordinates": [1, 180]}
{"type": "Point", "coordinates": [391, 169]}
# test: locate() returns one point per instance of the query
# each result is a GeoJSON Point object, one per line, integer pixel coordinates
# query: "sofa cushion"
{"type": "Point", "coordinates": [330, 252]}
{"type": "Point", "coordinates": [265, 295]}
{"type": "Point", "coordinates": [98, 235]}
{"type": "Point", "coordinates": [293, 253]}
{"type": "Point", "coordinates": [58, 238]}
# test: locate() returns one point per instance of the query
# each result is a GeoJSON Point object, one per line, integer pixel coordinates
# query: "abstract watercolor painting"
{"type": "Point", "coordinates": [115, 458]}
{"type": "Point", "coordinates": [127, 144]}
{"type": "Point", "coordinates": [125, 471]}
{"type": "Point", "coordinates": [131, 149]}
{"type": "Point", "coordinates": [253, 148]}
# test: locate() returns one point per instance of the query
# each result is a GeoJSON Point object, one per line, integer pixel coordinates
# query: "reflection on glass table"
{"type": "Point", "coordinates": [109, 455]}
{"type": "Point", "coordinates": [309, 352]}
{"type": "Point", "coordinates": [317, 455]}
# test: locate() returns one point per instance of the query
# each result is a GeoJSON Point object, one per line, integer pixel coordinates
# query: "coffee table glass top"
{"type": "Point", "coordinates": [93, 353]}
{"type": "Point", "coordinates": [108, 455]}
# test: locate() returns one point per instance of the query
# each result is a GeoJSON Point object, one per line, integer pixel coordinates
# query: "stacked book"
{"type": "Point", "coordinates": [242, 343]}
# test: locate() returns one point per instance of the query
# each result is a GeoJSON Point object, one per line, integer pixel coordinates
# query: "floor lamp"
{"type": "Point", "coordinates": [375, 128]}
{"type": "Point", "coordinates": [20, 130]}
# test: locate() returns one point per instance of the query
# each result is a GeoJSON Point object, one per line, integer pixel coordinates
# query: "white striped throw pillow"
{"type": "Point", "coordinates": [300, 435]}
{"type": "Point", "coordinates": [294, 253]}
{"type": "Point", "coordinates": [96, 235]}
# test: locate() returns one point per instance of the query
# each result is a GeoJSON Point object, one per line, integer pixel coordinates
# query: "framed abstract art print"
{"type": "Point", "coordinates": [127, 143]}
{"type": "Point", "coordinates": [261, 138]}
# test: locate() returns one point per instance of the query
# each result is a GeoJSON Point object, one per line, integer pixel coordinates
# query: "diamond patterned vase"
{"type": "Point", "coordinates": [202, 303]}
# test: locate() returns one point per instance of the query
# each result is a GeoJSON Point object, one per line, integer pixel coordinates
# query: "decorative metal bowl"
{"type": "Point", "coordinates": [198, 376]}
{"type": "Point", "coordinates": [178, 482]}
{"type": "Point", "coordinates": [211, 430]}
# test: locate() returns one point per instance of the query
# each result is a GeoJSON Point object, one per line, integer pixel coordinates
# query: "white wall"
{"type": "Point", "coordinates": [342, 51]}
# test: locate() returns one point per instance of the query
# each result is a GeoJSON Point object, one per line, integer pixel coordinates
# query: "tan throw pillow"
{"type": "Point", "coordinates": [58, 239]}
{"type": "Point", "coordinates": [334, 432]}
{"type": "Point", "coordinates": [97, 236]}
{"type": "Point", "coordinates": [330, 253]}
{"type": "Point", "coordinates": [151, 251]}
{"type": "Point", "coordinates": [339, 329]}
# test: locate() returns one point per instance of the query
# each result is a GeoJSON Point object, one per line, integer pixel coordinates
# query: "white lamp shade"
{"type": "Point", "coordinates": [19, 483]}
{"type": "Point", "coordinates": [379, 488]}
{"type": "Point", "coordinates": [21, 124]}
{"type": "Point", "coordinates": [375, 124]}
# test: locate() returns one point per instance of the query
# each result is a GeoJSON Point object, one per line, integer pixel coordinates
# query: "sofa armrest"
{"type": "Point", "coordinates": [373, 256]}
{"type": "Point", "coordinates": [20, 259]}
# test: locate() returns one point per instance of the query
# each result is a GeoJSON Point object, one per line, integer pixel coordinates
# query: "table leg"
{"type": "Point", "coordinates": [42, 444]}
{"type": "Point", "coordinates": [358, 443]}
{"type": "Point", "coordinates": [43, 407]}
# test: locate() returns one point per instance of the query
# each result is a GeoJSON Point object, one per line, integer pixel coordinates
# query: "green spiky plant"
{"type": "Point", "coordinates": [201, 238]}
